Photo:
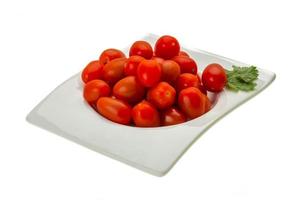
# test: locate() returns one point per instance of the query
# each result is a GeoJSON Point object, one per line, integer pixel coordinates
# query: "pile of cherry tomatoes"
{"type": "Point", "coordinates": [150, 88]}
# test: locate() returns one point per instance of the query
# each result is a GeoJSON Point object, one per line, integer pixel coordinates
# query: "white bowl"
{"type": "Point", "coordinates": [153, 150]}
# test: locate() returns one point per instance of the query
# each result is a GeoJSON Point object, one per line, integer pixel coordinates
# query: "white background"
{"type": "Point", "coordinates": [253, 153]}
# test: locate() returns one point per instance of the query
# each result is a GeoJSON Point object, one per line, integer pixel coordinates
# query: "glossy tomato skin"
{"type": "Point", "coordinates": [172, 116]}
{"type": "Point", "coordinates": [149, 73]}
{"type": "Point", "coordinates": [192, 102]}
{"type": "Point", "coordinates": [114, 70]}
{"type": "Point", "coordinates": [187, 64]}
{"type": "Point", "coordinates": [183, 53]}
{"type": "Point", "coordinates": [162, 96]}
{"type": "Point", "coordinates": [114, 110]}
{"type": "Point", "coordinates": [186, 80]}
{"type": "Point", "coordinates": [158, 59]}
{"type": "Point", "coordinates": [95, 89]}
{"type": "Point", "coordinates": [214, 78]}
{"type": "Point", "coordinates": [109, 55]}
{"type": "Point", "coordinates": [131, 65]}
{"type": "Point", "coordinates": [170, 71]}
{"type": "Point", "coordinates": [167, 47]}
{"type": "Point", "coordinates": [144, 114]}
{"type": "Point", "coordinates": [92, 71]}
{"type": "Point", "coordinates": [129, 89]}
{"type": "Point", "coordinates": [141, 48]}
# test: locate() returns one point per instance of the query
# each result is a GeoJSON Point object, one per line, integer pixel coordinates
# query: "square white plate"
{"type": "Point", "coordinates": [153, 150]}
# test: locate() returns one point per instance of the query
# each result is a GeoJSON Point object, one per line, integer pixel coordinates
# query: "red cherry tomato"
{"type": "Point", "coordinates": [129, 89]}
{"type": "Point", "coordinates": [187, 65]}
{"type": "Point", "coordinates": [114, 70]}
{"type": "Point", "coordinates": [167, 47]}
{"type": "Point", "coordinates": [192, 102]}
{"type": "Point", "coordinates": [214, 78]}
{"type": "Point", "coordinates": [92, 71]}
{"type": "Point", "coordinates": [110, 54]}
{"type": "Point", "coordinates": [149, 73]}
{"type": "Point", "coordinates": [183, 53]}
{"type": "Point", "coordinates": [170, 71]}
{"type": "Point", "coordinates": [172, 116]}
{"type": "Point", "coordinates": [95, 89]}
{"type": "Point", "coordinates": [158, 59]}
{"type": "Point", "coordinates": [141, 48]}
{"type": "Point", "coordinates": [144, 114]}
{"type": "Point", "coordinates": [114, 110]}
{"type": "Point", "coordinates": [131, 65]}
{"type": "Point", "coordinates": [162, 95]}
{"type": "Point", "coordinates": [186, 80]}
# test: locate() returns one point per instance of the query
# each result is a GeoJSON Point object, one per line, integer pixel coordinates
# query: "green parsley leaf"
{"type": "Point", "coordinates": [242, 78]}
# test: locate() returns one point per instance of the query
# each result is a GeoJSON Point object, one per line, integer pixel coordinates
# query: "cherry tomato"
{"type": "Point", "coordinates": [95, 89]}
{"type": "Point", "coordinates": [192, 102]}
{"type": "Point", "coordinates": [158, 59]}
{"type": "Point", "coordinates": [187, 65]}
{"type": "Point", "coordinates": [162, 95]}
{"type": "Point", "coordinates": [214, 78]}
{"type": "Point", "coordinates": [114, 70]}
{"type": "Point", "coordinates": [92, 71]}
{"type": "Point", "coordinates": [149, 73]}
{"type": "Point", "coordinates": [109, 55]}
{"type": "Point", "coordinates": [186, 80]}
{"type": "Point", "coordinates": [141, 48]}
{"type": "Point", "coordinates": [144, 114]}
{"type": "Point", "coordinates": [183, 53]}
{"type": "Point", "coordinates": [131, 65]}
{"type": "Point", "coordinates": [167, 47]}
{"type": "Point", "coordinates": [114, 110]}
{"type": "Point", "coordinates": [172, 116]}
{"type": "Point", "coordinates": [129, 90]}
{"type": "Point", "coordinates": [170, 71]}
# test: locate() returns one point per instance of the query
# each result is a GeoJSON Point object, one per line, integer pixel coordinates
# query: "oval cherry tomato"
{"type": "Point", "coordinates": [172, 116]}
{"type": "Point", "coordinates": [95, 89]}
{"type": "Point", "coordinates": [192, 102]}
{"type": "Point", "coordinates": [131, 65]}
{"type": "Point", "coordinates": [144, 114]}
{"type": "Point", "coordinates": [110, 54]}
{"type": "Point", "coordinates": [114, 70]}
{"type": "Point", "coordinates": [186, 80]}
{"type": "Point", "coordinates": [129, 89]}
{"type": "Point", "coordinates": [167, 47]}
{"type": "Point", "coordinates": [149, 73]}
{"type": "Point", "coordinates": [170, 71]}
{"type": "Point", "coordinates": [158, 59]}
{"type": "Point", "coordinates": [187, 65]}
{"type": "Point", "coordinates": [114, 110]}
{"type": "Point", "coordinates": [162, 95]}
{"type": "Point", "coordinates": [214, 78]}
{"type": "Point", "coordinates": [92, 71]}
{"type": "Point", "coordinates": [183, 53]}
{"type": "Point", "coordinates": [141, 48]}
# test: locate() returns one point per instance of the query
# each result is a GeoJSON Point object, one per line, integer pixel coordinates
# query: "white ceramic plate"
{"type": "Point", "coordinates": [153, 150]}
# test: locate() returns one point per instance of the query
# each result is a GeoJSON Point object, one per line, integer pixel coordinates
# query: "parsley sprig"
{"type": "Point", "coordinates": [242, 78]}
